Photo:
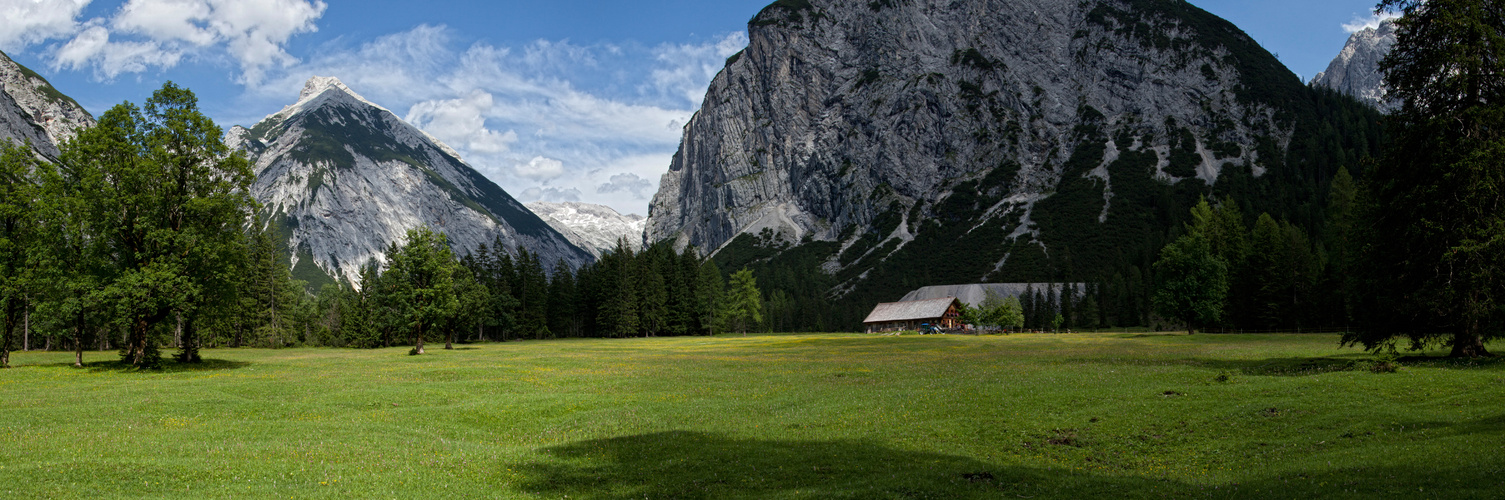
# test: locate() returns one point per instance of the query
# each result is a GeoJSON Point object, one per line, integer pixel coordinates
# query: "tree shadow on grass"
{"type": "Point", "coordinates": [168, 366]}
{"type": "Point", "coordinates": [1280, 367]}
{"type": "Point", "coordinates": [705, 465]}
{"type": "Point", "coordinates": [1494, 363]}
{"type": "Point", "coordinates": [1348, 363]}
{"type": "Point", "coordinates": [702, 465]}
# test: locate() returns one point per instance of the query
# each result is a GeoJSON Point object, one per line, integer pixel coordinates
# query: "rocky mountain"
{"type": "Point", "coordinates": [343, 178]}
{"type": "Point", "coordinates": [594, 228]}
{"type": "Point", "coordinates": [865, 149]}
{"type": "Point", "coordinates": [31, 109]}
{"type": "Point", "coordinates": [1356, 70]}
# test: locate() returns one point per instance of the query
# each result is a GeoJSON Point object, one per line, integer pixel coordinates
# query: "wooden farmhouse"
{"type": "Point", "coordinates": [942, 312]}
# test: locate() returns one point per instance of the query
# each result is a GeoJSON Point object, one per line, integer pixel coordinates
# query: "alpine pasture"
{"type": "Point", "coordinates": [785, 416]}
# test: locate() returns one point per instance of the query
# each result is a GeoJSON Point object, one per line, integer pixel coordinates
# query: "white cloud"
{"type": "Point", "coordinates": [626, 182]}
{"type": "Point", "coordinates": [459, 123]}
{"type": "Point", "coordinates": [166, 20]}
{"type": "Point", "coordinates": [540, 168]}
{"type": "Point", "coordinates": [92, 47]}
{"type": "Point", "coordinates": [395, 69]}
{"type": "Point", "coordinates": [556, 195]}
{"type": "Point", "coordinates": [27, 22]}
{"type": "Point", "coordinates": [159, 33]}
{"type": "Point", "coordinates": [547, 120]}
{"type": "Point", "coordinates": [1361, 23]}
{"type": "Point", "coordinates": [687, 69]}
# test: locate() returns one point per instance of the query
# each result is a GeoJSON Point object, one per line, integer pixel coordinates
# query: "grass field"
{"type": "Point", "coordinates": [788, 416]}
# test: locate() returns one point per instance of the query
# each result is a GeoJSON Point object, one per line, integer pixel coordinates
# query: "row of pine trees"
{"type": "Point", "coordinates": [492, 295]}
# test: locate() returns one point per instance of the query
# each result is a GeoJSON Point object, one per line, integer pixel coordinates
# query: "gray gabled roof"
{"type": "Point", "coordinates": [910, 311]}
{"type": "Point", "coordinates": [974, 294]}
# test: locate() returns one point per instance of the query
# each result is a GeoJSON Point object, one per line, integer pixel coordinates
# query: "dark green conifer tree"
{"type": "Point", "coordinates": [1436, 224]}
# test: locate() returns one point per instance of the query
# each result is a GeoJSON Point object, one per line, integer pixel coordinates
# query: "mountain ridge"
{"type": "Point", "coordinates": [594, 228]}
{"type": "Point", "coordinates": [343, 178]}
{"type": "Point", "coordinates": [898, 144]}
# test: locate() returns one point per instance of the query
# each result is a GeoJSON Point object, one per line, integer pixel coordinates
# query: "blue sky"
{"type": "Point", "coordinates": [554, 100]}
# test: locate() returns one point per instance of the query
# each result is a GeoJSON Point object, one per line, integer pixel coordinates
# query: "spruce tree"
{"type": "Point", "coordinates": [563, 301]}
{"type": "Point", "coordinates": [709, 292]}
{"type": "Point", "coordinates": [1437, 219]}
{"type": "Point", "coordinates": [654, 300]}
{"type": "Point", "coordinates": [422, 275]}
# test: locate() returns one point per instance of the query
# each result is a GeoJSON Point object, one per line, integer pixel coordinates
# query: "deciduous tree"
{"type": "Point", "coordinates": [170, 204]}
{"type": "Point", "coordinates": [1193, 282]}
{"type": "Point", "coordinates": [743, 306]}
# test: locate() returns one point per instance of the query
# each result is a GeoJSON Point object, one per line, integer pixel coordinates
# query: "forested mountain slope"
{"type": "Point", "coordinates": [858, 150]}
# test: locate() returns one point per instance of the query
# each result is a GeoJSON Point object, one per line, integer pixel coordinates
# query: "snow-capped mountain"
{"type": "Point", "coordinates": [343, 178]}
{"type": "Point", "coordinates": [595, 228]}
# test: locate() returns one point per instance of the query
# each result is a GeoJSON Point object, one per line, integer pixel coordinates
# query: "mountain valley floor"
{"type": "Point", "coordinates": [787, 416]}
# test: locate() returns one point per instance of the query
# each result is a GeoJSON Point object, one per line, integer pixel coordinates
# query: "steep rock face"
{"type": "Point", "coordinates": [1356, 70]}
{"type": "Point", "coordinates": [344, 178]}
{"type": "Point", "coordinates": [31, 109]}
{"type": "Point", "coordinates": [835, 111]}
{"type": "Point", "coordinates": [594, 228]}
{"type": "Point", "coordinates": [16, 125]}
{"type": "Point", "coordinates": [904, 143]}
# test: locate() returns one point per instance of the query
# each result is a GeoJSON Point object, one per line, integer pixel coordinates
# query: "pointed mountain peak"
{"type": "Point", "coordinates": [318, 84]}
{"type": "Point", "coordinates": [316, 92]}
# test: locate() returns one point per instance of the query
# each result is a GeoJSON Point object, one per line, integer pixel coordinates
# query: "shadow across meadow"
{"type": "Point", "coordinates": [702, 465]}
{"type": "Point", "coordinates": [168, 366]}
{"type": "Point", "coordinates": [682, 464]}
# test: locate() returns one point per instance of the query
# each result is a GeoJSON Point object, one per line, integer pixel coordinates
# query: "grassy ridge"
{"type": "Point", "coordinates": [798, 416]}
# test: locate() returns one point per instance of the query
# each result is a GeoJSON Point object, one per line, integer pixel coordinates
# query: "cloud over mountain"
{"type": "Point", "coordinates": [549, 120]}
{"type": "Point", "coordinates": [145, 34]}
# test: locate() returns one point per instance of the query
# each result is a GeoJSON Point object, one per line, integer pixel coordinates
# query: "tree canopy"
{"type": "Point", "coordinates": [1194, 282]}
{"type": "Point", "coordinates": [1435, 250]}
{"type": "Point", "coordinates": [165, 201]}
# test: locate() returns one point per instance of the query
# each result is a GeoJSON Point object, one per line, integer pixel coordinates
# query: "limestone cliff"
{"type": "Point", "coordinates": [1356, 70]}
{"type": "Point", "coordinates": [343, 178]}
{"type": "Point", "coordinates": [904, 143]}
{"type": "Point", "coordinates": [32, 110]}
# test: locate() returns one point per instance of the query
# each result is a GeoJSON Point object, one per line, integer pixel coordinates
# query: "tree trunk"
{"type": "Point", "coordinates": [419, 348]}
{"type": "Point", "coordinates": [1468, 345]}
{"type": "Point", "coordinates": [449, 340]}
{"type": "Point", "coordinates": [78, 339]}
{"type": "Point", "coordinates": [177, 334]}
{"type": "Point", "coordinates": [26, 325]}
{"type": "Point", "coordinates": [190, 342]}
{"type": "Point", "coordinates": [9, 328]}
{"type": "Point", "coordinates": [137, 344]}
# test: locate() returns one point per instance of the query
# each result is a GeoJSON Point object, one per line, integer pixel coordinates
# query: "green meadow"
{"type": "Point", "coordinates": [781, 416]}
